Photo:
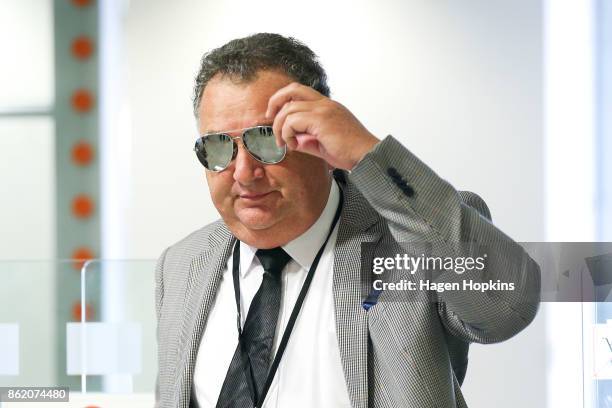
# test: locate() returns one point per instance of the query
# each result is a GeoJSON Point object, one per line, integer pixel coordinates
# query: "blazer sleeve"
{"type": "Point", "coordinates": [420, 206]}
{"type": "Point", "coordinates": [159, 299]}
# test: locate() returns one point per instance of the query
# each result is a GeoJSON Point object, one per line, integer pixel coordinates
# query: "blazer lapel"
{"type": "Point", "coordinates": [351, 317]}
{"type": "Point", "coordinates": [205, 273]}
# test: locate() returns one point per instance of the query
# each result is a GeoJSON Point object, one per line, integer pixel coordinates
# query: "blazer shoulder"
{"type": "Point", "coordinates": [199, 240]}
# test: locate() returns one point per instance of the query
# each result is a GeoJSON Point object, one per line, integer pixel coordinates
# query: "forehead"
{"type": "Point", "coordinates": [229, 104]}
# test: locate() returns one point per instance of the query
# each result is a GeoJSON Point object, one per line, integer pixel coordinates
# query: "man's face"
{"type": "Point", "coordinates": [264, 205]}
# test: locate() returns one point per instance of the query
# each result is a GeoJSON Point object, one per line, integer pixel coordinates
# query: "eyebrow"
{"type": "Point", "coordinates": [209, 131]}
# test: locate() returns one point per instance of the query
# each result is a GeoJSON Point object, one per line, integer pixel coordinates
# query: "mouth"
{"type": "Point", "coordinates": [254, 197]}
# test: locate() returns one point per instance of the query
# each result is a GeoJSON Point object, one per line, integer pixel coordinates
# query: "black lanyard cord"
{"type": "Point", "coordinates": [258, 401]}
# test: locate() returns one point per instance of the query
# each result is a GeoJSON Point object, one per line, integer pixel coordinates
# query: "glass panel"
{"type": "Point", "coordinates": [28, 316]}
{"type": "Point", "coordinates": [27, 177]}
{"type": "Point", "coordinates": [124, 330]}
{"type": "Point", "coordinates": [598, 352]}
{"type": "Point", "coordinates": [120, 341]}
{"type": "Point", "coordinates": [604, 385]}
{"type": "Point", "coordinates": [26, 47]}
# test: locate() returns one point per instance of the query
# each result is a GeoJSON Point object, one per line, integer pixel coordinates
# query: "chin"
{"type": "Point", "coordinates": [256, 219]}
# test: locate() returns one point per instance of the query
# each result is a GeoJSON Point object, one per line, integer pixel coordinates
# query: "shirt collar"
{"type": "Point", "coordinates": [302, 249]}
{"type": "Point", "coordinates": [247, 253]}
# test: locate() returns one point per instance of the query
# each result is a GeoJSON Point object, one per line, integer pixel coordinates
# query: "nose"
{"type": "Point", "coordinates": [247, 170]}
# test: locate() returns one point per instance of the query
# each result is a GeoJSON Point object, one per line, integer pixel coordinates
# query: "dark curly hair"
{"type": "Point", "coordinates": [242, 58]}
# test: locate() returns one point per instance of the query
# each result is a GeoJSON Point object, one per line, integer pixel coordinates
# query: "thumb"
{"type": "Point", "coordinates": [309, 144]}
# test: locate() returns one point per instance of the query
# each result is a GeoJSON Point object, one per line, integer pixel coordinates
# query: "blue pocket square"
{"type": "Point", "coordinates": [371, 299]}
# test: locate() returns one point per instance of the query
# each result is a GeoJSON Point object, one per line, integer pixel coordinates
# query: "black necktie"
{"type": "Point", "coordinates": [248, 369]}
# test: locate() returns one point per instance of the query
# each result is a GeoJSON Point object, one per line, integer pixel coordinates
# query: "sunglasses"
{"type": "Point", "coordinates": [217, 150]}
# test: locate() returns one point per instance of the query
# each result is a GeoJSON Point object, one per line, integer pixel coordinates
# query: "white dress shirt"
{"type": "Point", "coordinates": [310, 373]}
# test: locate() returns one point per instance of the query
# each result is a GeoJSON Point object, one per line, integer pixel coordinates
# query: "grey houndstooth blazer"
{"type": "Point", "coordinates": [397, 354]}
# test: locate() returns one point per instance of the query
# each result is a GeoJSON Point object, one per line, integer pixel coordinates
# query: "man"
{"type": "Point", "coordinates": [266, 307]}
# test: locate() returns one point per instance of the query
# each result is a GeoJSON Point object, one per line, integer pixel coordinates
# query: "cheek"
{"type": "Point", "coordinates": [220, 190]}
{"type": "Point", "coordinates": [314, 175]}
{"type": "Point", "coordinates": [303, 191]}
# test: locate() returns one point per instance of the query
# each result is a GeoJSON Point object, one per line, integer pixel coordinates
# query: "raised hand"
{"type": "Point", "coordinates": [309, 122]}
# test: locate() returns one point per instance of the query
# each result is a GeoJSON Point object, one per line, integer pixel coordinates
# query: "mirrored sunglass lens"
{"type": "Point", "coordinates": [261, 143]}
{"type": "Point", "coordinates": [215, 151]}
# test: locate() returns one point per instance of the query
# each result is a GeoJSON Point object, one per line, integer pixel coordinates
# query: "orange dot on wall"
{"type": "Point", "coordinates": [82, 206]}
{"type": "Point", "coordinates": [80, 256]}
{"type": "Point", "coordinates": [82, 153]}
{"type": "Point", "coordinates": [81, 3]}
{"type": "Point", "coordinates": [82, 101]}
{"type": "Point", "coordinates": [75, 311]}
{"type": "Point", "coordinates": [82, 47]}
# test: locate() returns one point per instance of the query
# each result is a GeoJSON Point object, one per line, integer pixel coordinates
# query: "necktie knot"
{"type": "Point", "coordinates": [273, 260]}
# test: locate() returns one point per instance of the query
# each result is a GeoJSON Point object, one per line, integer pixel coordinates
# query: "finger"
{"type": "Point", "coordinates": [295, 124]}
{"type": "Point", "coordinates": [308, 143]}
{"type": "Point", "coordinates": [287, 133]}
{"type": "Point", "coordinates": [287, 109]}
{"type": "Point", "coordinates": [292, 92]}
{"type": "Point", "coordinates": [298, 134]}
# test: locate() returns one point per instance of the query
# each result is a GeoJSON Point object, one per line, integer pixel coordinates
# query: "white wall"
{"type": "Point", "coordinates": [27, 180]}
{"type": "Point", "coordinates": [27, 227]}
{"type": "Point", "coordinates": [459, 83]}
{"type": "Point", "coordinates": [27, 186]}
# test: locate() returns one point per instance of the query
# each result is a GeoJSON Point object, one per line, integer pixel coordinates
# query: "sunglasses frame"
{"type": "Point", "coordinates": [235, 145]}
